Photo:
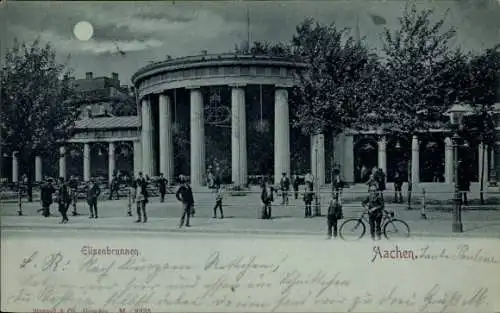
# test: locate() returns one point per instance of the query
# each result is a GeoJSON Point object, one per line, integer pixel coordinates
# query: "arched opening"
{"type": "Point", "coordinates": [365, 158]}
{"type": "Point", "coordinates": [398, 152]}
{"type": "Point", "coordinates": [431, 158]}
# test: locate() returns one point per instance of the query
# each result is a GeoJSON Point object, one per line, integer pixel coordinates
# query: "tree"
{"type": "Point", "coordinates": [338, 80]}
{"type": "Point", "coordinates": [39, 105]}
{"type": "Point", "coordinates": [481, 90]}
{"type": "Point", "coordinates": [414, 95]}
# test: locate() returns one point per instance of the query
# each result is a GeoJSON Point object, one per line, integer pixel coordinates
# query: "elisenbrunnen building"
{"type": "Point", "coordinates": [230, 114]}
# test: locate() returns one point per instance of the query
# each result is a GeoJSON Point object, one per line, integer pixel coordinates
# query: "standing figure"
{"type": "Point", "coordinates": [132, 190]}
{"type": "Point", "coordinates": [162, 186]}
{"type": "Point", "coordinates": [93, 192]}
{"type": "Point", "coordinates": [185, 195]}
{"type": "Point", "coordinates": [285, 187]}
{"type": "Point", "coordinates": [374, 203]}
{"type": "Point", "coordinates": [334, 214]}
{"type": "Point", "coordinates": [218, 201]}
{"type": "Point", "coordinates": [64, 200]}
{"type": "Point", "coordinates": [337, 183]}
{"type": "Point", "coordinates": [141, 198]}
{"type": "Point", "coordinates": [308, 199]}
{"type": "Point", "coordinates": [114, 188]}
{"type": "Point", "coordinates": [267, 198]}
{"type": "Point", "coordinates": [296, 184]}
{"type": "Point", "coordinates": [398, 186]}
{"type": "Point", "coordinates": [46, 190]}
{"type": "Point", "coordinates": [73, 189]}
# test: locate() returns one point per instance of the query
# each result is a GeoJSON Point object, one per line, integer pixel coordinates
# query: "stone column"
{"type": "Point", "coordinates": [492, 170]}
{"type": "Point", "coordinates": [318, 158]}
{"type": "Point", "coordinates": [86, 161]}
{"type": "Point", "coordinates": [38, 169]}
{"type": "Point", "coordinates": [137, 157]}
{"type": "Point", "coordinates": [382, 154]}
{"type": "Point", "coordinates": [415, 160]}
{"type": "Point", "coordinates": [15, 167]}
{"type": "Point", "coordinates": [111, 161]}
{"type": "Point", "coordinates": [448, 161]}
{"type": "Point", "coordinates": [348, 166]}
{"type": "Point", "coordinates": [281, 134]}
{"type": "Point", "coordinates": [480, 167]}
{"type": "Point", "coordinates": [147, 138]}
{"type": "Point", "coordinates": [166, 138]}
{"type": "Point", "coordinates": [62, 162]}
{"type": "Point", "coordinates": [238, 136]}
{"type": "Point", "coordinates": [197, 138]}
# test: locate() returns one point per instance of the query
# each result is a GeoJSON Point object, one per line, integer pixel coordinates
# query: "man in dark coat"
{"type": "Point", "coordinates": [464, 179]}
{"type": "Point", "coordinates": [162, 185]}
{"type": "Point", "coordinates": [64, 200]}
{"type": "Point", "coordinates": [185, 195]}
{"type": "Point", "coordinates": [374, 203]}
{"type": "Point", "coordinates": [93, 192]}
{"type": "Point", "coordinates": [46, 190]}
{"type": "Point", "coordinates": [267, 198]}
{"type": "Point", "coordinates": [114, 187]}
{"type": "Point", "coordinates": [285, 187]}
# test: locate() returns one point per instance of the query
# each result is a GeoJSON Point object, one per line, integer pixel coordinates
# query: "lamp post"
{"type": "Point", "coordinates": [456, 114]}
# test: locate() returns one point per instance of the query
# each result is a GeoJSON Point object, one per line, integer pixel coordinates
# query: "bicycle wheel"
{"type": "Point", "coordinates": [352, 229]}
{"type": "Point", "coordinates": [396, 228]}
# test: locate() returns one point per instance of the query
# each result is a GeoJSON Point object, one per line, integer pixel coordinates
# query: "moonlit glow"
{"type": "Point", "coordinates": [83, 30]}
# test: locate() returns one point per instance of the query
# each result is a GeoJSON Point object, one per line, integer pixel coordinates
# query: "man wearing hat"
{"type": "Point", "coordinates": [93, 192]}
{"type": "Point", "coordinates": [185, 195]}
{"type": "Point", "coordinates": [46, 192]}
{"type": "Point", "coordinates": [63, 199]}
{"type": "Point", "coordinates": [285, 187]}
{"type": "Point", "coordinates": [374, 203]}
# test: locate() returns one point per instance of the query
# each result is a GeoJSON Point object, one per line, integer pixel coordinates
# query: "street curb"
{"type": "Point", "coordinates": [194, 229]}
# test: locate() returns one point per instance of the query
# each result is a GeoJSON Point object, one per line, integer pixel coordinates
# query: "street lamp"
{"type": "Point", "coordinates": [456, 113]}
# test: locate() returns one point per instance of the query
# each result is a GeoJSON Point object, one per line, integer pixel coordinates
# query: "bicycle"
{"type": "Point", "coordinates": [389, 225]}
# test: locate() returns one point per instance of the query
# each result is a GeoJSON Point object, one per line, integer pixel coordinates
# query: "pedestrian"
{"type": "Point", "coordinates": [308, 199]}
{"type": "Point", "coordinates": [114, 188]}
{"type": "Point", "coordinates": [374, 203]}
{"type": "Point", "coordinates": [185, 195]}
{"type": "Point", "coordinates": [285, 187]}
{"type": "Point", "coordinates": [334, 214]}
{"type": "Point", "coordinates": [46, 193]}
{"type": "Point", "coordinates": [398, 186]}
{"type": "Point", "coordinates": [267, 198]}
{"type": "Point", "coordinates": [162, 186]}
{"type": "Point", "coordinates": [141, 198]}
{"type": "Point", "coordinates": [218, 201]}
{"type": "Point", "coordinates": [64, 200]}
{"type": "Point", "coordinates": [73, 189]}
{"type": "Point", "coordinates": [93, 192]}
{"type": "Point", "coordinates": [296, 184]}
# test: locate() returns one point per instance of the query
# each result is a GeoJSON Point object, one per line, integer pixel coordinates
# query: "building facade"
{"type": "Point", "coordinates": [239, 103]}
{"type": "Point", "coordinates": [429, 158]}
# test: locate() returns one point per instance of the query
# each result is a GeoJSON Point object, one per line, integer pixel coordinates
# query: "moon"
{"type": "Point", "coordinates": [83, 30]}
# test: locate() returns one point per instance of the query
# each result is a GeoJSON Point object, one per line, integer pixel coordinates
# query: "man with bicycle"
{"type": "Point", "coordinates": [374, 203]}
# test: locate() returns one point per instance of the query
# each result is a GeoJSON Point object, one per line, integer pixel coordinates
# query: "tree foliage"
{"type": "Point", "coordinates": [414, 93]}
{"type": "Point", "coordinates": [39, 108]}
{"type": "Point", "coordinates": [338, 79]}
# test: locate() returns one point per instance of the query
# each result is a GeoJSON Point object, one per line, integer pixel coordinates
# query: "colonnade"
{"type": "Point", "coordinates": [239, 156]}
{"type": "Point", "coordinates": [86, 157]}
